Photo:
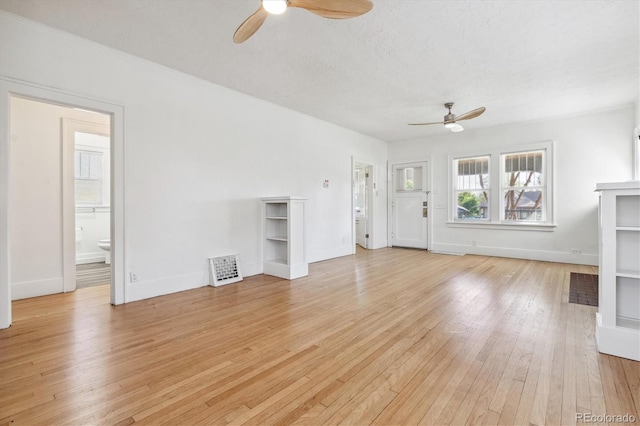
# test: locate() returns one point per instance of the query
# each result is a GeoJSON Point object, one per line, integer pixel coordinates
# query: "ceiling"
{"type": "Point", "coordinates": [398, 64]}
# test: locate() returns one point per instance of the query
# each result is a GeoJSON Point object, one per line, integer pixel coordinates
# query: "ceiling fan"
{"type": "Point", "coordinates": [335, 9]}
{"type": "Point", "coordinates": [450, 120]}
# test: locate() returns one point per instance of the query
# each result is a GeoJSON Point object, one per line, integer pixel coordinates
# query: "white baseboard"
{"type": "Point", "coordinates": [543, 255]}
{"type": "Point", "coordinates": [320, 255]}
{"type": "Point", "coordinates": [618, 341]}
{"type": "Point", "coordinates": [95, 257]}
{"type": "Point", "coordinates": [379, 244]}
{"type": "Point", "coordinates": [146, 289]}
{"type": "Point", "coordinates": [36, 288]}
{"type": "Point", "coordinates": [252, 268]}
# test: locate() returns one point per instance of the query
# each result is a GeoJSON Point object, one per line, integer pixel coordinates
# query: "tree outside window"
{"type": "Point", "coordinates": [523, 186]}
{"type": "Point", "coordinates": [472, 188]}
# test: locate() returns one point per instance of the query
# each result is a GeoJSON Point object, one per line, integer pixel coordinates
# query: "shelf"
{"type": "Point", "coordinates": [618, 317]}
{"type": "Point", "coordinates": [284, 247]}
{"type": "Point", "coordinates": [628, 323]}
{"type": "Point", "coordinates": [628, 228]}
{"type": "Point", "coordinates": [628, 273]}
{"type": "Point", "coordinates": [277, 239]}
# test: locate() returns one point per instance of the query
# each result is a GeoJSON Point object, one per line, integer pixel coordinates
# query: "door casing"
{"type": "Point", "coordinates": [426, 162]}
{"type": "Point", "coordinates": [10, 88]}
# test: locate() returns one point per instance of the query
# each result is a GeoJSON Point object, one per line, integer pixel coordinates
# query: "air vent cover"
{"type": "Point", "coordinates": [224, 270]}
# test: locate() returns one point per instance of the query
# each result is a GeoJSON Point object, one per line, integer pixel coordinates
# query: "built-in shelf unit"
{"type": "Point", "coordinates": [284, 239]}
{"type": "Point", "coordinates": [618, 317]}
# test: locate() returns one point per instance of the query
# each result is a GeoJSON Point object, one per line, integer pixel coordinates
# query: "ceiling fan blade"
{"type": "Point", "coordinates": [250, 25]}
{"type": "Point", "coordinates": [425, 124]}
{"type": "Point", "coordinates": [471, 114]}
{"type": "Point", "coordinates": [335, 9]}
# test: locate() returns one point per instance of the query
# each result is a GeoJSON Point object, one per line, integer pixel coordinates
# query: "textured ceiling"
{"type": "Point", "coordinates": [522, 60]}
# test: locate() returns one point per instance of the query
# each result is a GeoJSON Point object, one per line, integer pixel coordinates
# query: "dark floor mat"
{"type": "Point", "coordinates": [583, 289]}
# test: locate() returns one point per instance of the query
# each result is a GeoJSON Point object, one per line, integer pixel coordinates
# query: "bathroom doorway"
{"type": "Point", "coordinates": [363, 188]}
{"type": "Point", "coordinates": [90, 145]}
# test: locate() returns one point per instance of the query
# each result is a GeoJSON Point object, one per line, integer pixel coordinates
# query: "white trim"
{"type": "Point", "coordinates": [94, 257]}
{"type": "Point", "coordinates": [5, 273]}
{"type": "Point", "coordinates": [428, 189]}
{"type": "Point", "coordinates": [23, 290]}
{"type": "Point", "coordinates": [11, 87]}
{"type": "Point", "coordinates": [495, 188]}
{"type": "Point", "coordinates": [619, 341]}
{"type": "Point", "coordinates": [520, 226]}
{"type": "Point", "coordinates": [330, 253]}
{"type": "Point", "coordinates": [636, 152]}
{"type": "Point", "coordinates": [159, 287]}
{"type": "Point", "coordinates": [452, 205]}
{"type": "Point", "coordinates": [542, 255]}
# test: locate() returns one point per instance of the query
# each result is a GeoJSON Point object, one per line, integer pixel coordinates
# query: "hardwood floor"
{"type": "Point", "coordinates": [387, 337]}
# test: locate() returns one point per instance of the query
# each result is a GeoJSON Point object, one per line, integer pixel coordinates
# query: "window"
{"type": "Point", "coordinates": [409, 179]}
{"type": "Point", "coordinates": [471, 188]}
{"type": "Point", "coordinates": [88, 177]}
{"type": "Point", "coordinates": [523, 187]}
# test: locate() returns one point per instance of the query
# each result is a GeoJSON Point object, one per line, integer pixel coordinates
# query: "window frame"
{"type": "Point", "coordinates": [455, 190]}
{"type": "Point", "coordinates": [541, 188]}
{"type": "Point", "coordinates": [636, 153]}
{"type": "Point", "coordinates": [101, 202]}
{"type": "Point", "coordinates": [496, 209]}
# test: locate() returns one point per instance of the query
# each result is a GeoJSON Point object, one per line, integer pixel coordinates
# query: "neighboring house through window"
{"type": "Point", "coordinates": [525, 187]}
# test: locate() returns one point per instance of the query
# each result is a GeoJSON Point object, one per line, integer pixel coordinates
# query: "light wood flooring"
{"type": "Point", "coordinates": [387, 337]}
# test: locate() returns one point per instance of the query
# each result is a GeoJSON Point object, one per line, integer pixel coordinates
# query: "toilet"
{"type": "Point", "coordinates": [106, 246]}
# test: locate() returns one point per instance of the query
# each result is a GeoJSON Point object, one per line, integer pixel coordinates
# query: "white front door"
{"type": "Point", "coordinates": [409, 209]}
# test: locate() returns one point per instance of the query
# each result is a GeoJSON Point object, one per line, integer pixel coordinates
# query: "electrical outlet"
{"type": "Point", "coordinates": [576, 251]}
{"type": "Point", "coordinates": [474, 243]}
{"type": "Point", "coordinates": [133, 277]}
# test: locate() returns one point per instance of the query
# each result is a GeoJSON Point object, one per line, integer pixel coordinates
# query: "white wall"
{"type": "Point", "coordinates": [198, 157]}
{"type": "Point", "coordinates": [35, 197]}
{"type": "Point", "coordinates": [588, 149]}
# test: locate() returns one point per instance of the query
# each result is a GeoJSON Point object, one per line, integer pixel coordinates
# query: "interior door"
{"type": "Point", "coordinates": [409, 206]}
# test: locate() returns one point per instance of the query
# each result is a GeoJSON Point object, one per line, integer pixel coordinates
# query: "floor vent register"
{"type": "Point", "coordinates": [224, 270]}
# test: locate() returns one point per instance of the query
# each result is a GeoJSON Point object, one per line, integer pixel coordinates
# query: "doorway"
{"type": "Point", "coordinates": [409, 205]}
{"type": "Point", "coordinates": [363, 190]}
{"type": "Point", "coordinates": [86, 175]}
{"type": "Point", "coordinates": [42, 262]}
{"type": "Point", "coordinates": [59, 194]}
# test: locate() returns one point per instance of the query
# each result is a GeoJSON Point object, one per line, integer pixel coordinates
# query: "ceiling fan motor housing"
{"type": "Point", "coordinates": [449, 117]}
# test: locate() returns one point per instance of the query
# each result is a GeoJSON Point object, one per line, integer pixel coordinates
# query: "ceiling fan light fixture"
{"type": "Point", "coordinates": [456, 128]}
{"type": "Point", "coordinates": [449, 125]}
{"type": "Point", "coordinates": [275, 7]}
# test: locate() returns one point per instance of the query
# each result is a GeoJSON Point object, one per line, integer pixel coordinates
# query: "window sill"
{"type": "Point", "coordinates": [544, 227]}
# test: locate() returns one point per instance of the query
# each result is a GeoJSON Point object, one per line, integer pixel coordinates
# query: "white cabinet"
{"type": "Point", "coordinates": [618, 317]}
{"type": "Point", "coordinates": [284, 239]}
